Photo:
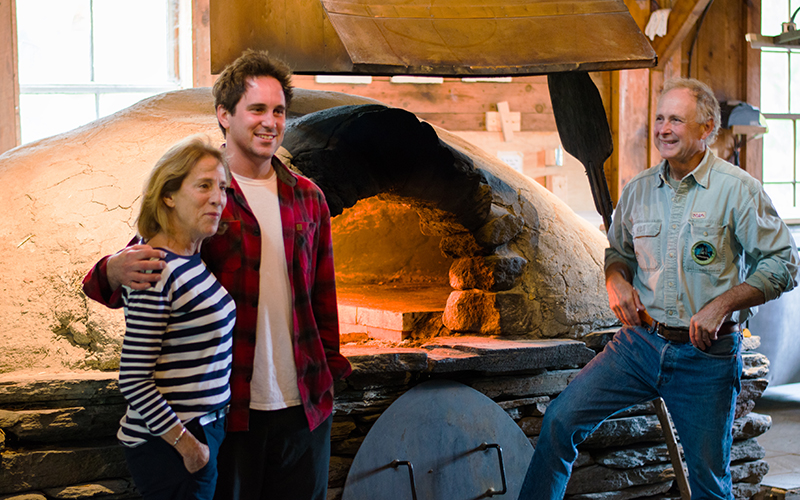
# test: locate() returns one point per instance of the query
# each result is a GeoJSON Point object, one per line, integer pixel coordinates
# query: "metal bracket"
{"type": "Point", "coordinates": [491, 491]}
{"type": "Point", "coordinates": [397, 463]}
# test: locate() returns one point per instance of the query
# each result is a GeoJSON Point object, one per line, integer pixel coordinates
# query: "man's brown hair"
{"type": "Point", "coordinates": [232, 82]}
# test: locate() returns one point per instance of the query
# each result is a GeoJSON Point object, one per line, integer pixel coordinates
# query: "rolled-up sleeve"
{"type": "Point", "coordinates": [769, 248]}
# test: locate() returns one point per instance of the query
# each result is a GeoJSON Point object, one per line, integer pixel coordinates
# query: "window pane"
{"type": "Point", "coordinates": [111, 103]}
{"type": "Point", "coordinates": [43, 115]}
{"type": "Point", "coordinates": [774, 82]}
{"type": "Point", "coordinates": [773, 13]}
{"type": "Point", "coordinates": [131, 41]}
{"type": "Point", "coordinates": [54, 41]}
{"type": "Point", "coordinates": [795, 80]}
{"type": "Point", "coordinates": [782, 197]}
{"type": "Point", "coordinates": [778, 154]}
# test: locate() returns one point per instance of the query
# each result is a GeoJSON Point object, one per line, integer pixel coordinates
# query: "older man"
{"type": "Point", "coordinates": [695, 245]}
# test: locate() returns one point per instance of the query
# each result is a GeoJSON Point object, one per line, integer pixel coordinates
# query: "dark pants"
{"type": "Point", "coordinates": [158, 471]}
{"type": "Point", "coordinates": [278, 458]}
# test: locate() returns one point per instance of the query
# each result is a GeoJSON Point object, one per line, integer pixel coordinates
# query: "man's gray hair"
{"type": "Point", "coordinates": [707, 104]}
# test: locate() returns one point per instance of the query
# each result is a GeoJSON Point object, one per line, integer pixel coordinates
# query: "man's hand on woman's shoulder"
{"type": "Point", "coordinates": [137, 266]}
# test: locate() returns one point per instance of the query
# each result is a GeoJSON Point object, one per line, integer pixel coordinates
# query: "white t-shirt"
{"type": "Point", "coordinates": [274, 384]}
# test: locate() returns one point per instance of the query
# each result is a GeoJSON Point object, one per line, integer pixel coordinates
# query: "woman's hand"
{"type": "Point", "coordinates": [195, 454]}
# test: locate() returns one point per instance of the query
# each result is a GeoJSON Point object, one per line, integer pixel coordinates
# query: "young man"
{"type": "Point", "coordinates": [696, 243]}
{"type": "Point", "coordinates": [275, 258]}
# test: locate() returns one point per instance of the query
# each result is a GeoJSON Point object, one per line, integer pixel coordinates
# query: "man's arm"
{"type": "Point", "coordinates": [769, 248]}
{"type": "Point", "coordinates": [622, 297]}
{"type": "Point", "coordinates": [126, 267]}
{"type": "Point", "coordinates": [704, 325]}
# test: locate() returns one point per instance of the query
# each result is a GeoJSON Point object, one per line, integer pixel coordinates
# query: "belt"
{"type": "Point", "coordinates": [681, 335]}
{"type": "Point", "coordinates": [213, 416]}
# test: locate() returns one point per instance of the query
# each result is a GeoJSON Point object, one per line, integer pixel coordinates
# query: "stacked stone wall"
{"type": "Point", "coordinates": [57, 432]}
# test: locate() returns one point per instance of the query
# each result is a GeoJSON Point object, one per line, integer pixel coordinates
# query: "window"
{"type": "Point", "coordinates": [80, 60]}
{"type": "Point", "coordinates": [780, 104]}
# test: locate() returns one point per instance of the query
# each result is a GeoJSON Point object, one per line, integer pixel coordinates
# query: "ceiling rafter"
{"type": "Point", "coordinates": [682, 19]}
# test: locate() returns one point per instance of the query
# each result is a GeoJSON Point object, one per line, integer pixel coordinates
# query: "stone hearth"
{"type": "Point", "coordinates": [59, 429]}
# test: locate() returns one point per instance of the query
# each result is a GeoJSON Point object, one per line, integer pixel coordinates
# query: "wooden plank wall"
{"type": "Point", "coordinates": [454, 104]}
{"type": "Point", "coordinates": [9, 82]}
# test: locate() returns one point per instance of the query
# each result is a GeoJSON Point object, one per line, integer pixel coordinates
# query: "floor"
{"type": "Point", "coordinates": [782, 441]}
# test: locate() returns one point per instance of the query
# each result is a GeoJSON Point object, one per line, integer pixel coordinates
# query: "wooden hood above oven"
{"type": "Point", "coordinates": [433, 37]}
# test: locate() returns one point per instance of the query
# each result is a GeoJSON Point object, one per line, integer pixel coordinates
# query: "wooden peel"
{"type": "Point", "coordinates": [584, 131]}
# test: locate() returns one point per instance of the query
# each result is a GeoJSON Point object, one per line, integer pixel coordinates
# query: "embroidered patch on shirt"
{"type": "Point", "coordinates": [698, 215]}
{"type": "Point", "coordinates": [704, 253]}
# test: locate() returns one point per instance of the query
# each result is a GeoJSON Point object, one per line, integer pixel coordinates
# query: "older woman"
{"type": "Point", "coordinates": [176, 355]}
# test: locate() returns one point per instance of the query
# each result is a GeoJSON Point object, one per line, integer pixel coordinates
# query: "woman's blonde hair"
{"type": "Point", "coordinates": [167, 177]}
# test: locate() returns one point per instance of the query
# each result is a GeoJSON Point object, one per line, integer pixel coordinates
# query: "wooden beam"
{"type": "Point", "coordinates": [201, 45]}
{"type": "Point", "coordinates": [752, 152]}
{"type": "Point", "coordinates": [630, 127]}
{"type": "Point", "coordinates": [9, 77]}
{"type": "Point", "coordinates": [672, 69]}
{"type": "Point", "coordinates": [682, 19]}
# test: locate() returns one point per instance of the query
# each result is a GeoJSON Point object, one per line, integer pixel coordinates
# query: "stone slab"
{"type": "Point", "coordinates": [751, 425]}
{"type": "Point", "coordinates": [369, 359]}
{"type": "Point", "coordinates": [640, 455]}
{"type": "Point", "coordinates": [525, 407]}
{"type": "Point", "coordinates": [756, 365]}
{"type": "Point", "coordinates": [746, 491]}
{"type": "Point", "coordinates": [26, 389]}
{"type": "Point", "coordinates": [114, 489]}
{"type": "Point", "coordinates": [493, 355]}
{"type": "Point", "coordinates": [543, 384]}
{"type": "Point", "coordinates": [749, 472]}
{"type": "Point", "coordinates": [24, 470]}
{"type": "Point", "coordinates": [644, 491]}
{"type": "Point", "coordinates": [62, 424]}
{"type": "Point", "coordinates": [625, 431]}
{"type": "Point", "coordinates": [596, 478]}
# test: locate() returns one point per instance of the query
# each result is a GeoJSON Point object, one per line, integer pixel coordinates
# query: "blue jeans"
{"type": "Point", "coordinates": [699, 389]}
{"type": "Point", "coordinates": [159, 473]}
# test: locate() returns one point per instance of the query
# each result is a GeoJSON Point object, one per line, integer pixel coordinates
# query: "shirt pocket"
{"type": "Point", "coordinates": [305, 245]}
{"type": "Point", "coordinates": [705, 250]}
{"type": "Point", "coordinates": [647, 245]}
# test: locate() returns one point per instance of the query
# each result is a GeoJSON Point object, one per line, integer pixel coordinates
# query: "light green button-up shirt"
{"type": "Point", "coordinates": [686, 246]}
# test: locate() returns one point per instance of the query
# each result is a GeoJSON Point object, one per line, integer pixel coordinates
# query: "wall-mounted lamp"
{"type": "Point", "coordinates": [745, 121]}
{"type": "Point", "coordinates": [789, 38]}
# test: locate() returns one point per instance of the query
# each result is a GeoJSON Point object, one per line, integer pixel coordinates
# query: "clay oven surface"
{"type": "Point", "coordinates": [72, 198]}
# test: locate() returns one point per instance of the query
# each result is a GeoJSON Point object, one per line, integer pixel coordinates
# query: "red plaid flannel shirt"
{"type": "Point", "coordinates": [234, 258]}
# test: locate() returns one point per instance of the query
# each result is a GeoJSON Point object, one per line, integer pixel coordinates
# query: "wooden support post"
{"type": "Point", "coordinates": [672, 447]}
{"type": "Point", "coordinates": [201, 44]}
{"type": "Point", "coordinates": [9, 77]}
{"type": "Point", "coordinates": [630, 127]}
{"type": "Point", "coordinates": [752, 157]}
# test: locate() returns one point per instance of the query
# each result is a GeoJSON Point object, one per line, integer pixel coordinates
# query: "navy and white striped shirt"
{"type": "Point", "coordinates": [177, 352]}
